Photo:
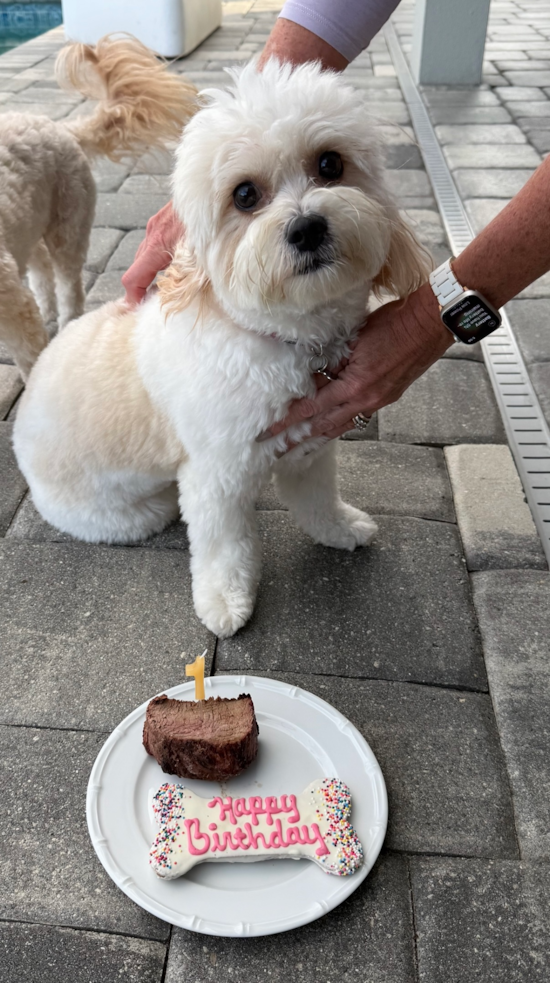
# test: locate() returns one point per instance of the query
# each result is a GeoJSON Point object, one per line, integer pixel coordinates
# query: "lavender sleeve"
{"type": "Point", "coordinates": [347, 25]}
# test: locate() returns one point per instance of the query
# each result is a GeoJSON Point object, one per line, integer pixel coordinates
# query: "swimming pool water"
{"type": "Point", "coordinates": [22, 21]}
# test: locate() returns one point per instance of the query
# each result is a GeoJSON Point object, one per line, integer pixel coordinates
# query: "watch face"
{"type": "Point", "coordinates": [471, 318]}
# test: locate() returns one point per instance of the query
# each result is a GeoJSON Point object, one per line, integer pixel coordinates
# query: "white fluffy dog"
{"type": "Point", "coordinates": [47, 192]}
{"type": "Point", "coordinates": [288, 226]}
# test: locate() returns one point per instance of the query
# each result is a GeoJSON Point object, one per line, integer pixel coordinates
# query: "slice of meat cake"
{"type": "Point", "coordinates": [212, 739]}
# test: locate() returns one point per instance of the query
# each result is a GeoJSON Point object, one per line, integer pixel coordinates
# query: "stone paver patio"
{"type": "Point", "coordinates": [434, 642]}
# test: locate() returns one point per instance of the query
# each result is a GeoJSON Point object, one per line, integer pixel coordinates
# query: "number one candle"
{"type": "Point", "coordinates": [196, 669]}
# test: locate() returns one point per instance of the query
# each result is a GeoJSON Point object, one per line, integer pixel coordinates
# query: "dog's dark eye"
{"type": "Point", "coordinates": [246, 195]}
{"type": "Point", "coordinates": [331, 166]}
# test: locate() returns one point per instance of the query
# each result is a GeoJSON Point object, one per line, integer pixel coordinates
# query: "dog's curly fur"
{"type": "Point", "coordinates": [47, 195]}
{"type": "Point", "coordinates": [128, 415]}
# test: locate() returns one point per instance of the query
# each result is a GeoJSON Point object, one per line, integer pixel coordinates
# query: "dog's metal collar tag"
{"type": "Point", "coordinates": [318, 361]}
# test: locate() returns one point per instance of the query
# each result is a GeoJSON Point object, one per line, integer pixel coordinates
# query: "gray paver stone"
{"type": "Point", "coordinates": [110, 175]}
{"type": "Point", "coordinates": [514, 615]}
{"type": "Point", "coordinates": [155, 162]}
{"type": "Point", "coordinates": [50, 872]}
{"type": "Point", "coordinates": [399, 609]}
{"type": "Point", "coordinates": [472, 353]}
{"type": "Point", "coordinates": [125, 253]}
{"type": "Point", "coordinates": [453, 402]}
{"type": "Point", "coordinates": [540, 139]}
{"type": "Point", "coordinates": [540, 377]}
{"type": "Point", "coordinates": [390, 112]}
{"type": "Point", "coordinates": [522, 110]}
{"type": "Point", "coordinates": [392, 136]}
{"type": "Point", "coordinates": [414, 201]}
{"type": "Point", "coordinates": [520, 93]}
{"type": "Point", "coordinates": [389, 479]}
{"type": "Point", "coordinates": [479, 133]}
{"type": "Point", "coordinates": [10, 387]}
{"type": "Point", "coordinates": [44, 954]}
{"type": "Point", "coordinates": [39, 96]}
{"type": "Point", "coordinates": [103, 242]}
{"type": "Point", "coordinates": [379, 97]}
{"type": "Point", "coordinates": [534, 124]}
{"type": "Point", "coordinates": [440, 96]}
{"type": "Point", "coordinates": [107, 287]}
{"type": "Point", "coordinates": [491, 183]}
{"type": "Point", "coordinates": [144, 184]}
{"type": "Point", "coordinates": [395, 479]}
{"type": "Point", "coordinates": [53, 110]}
{"type": "Point", "coordinates": [481, 920]}
{"type": "Point", "coordinates": [495, 522]}
{"type": "Point", "coordinates": [372, 928]}
{"type": "Point", "coordinates": [515, 155]}
{"type": "Point", "coordinates": [92, 632]}
{"type": "Point", "coordinates": [440, 754]}
{"type": "Point", "coordinates": [402, 156]}
{"type": "Point", "coordinates": [127, 211]}
{"type": "Point", "coordinates": [426, 225]}
{"type": "Point", "coordinates": [12, 482]}
{"type": "Point", "coordinates": [15, 84]}
{"type": "Point", "coordinates": [531, 65]}
{"type": "Point", "coordinates": [530, 321]}
{"type": "Point", "coordinates": [529, 78]}
{"type": "Point", "coordinates": [457, 114]}
{"type": "Point", "coordinates": [539, 288]}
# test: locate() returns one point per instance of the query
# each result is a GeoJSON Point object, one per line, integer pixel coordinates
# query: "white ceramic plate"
{"type": "Point", "coordinates": [301, 738]}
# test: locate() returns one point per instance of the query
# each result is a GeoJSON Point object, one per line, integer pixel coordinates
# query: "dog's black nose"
{"type": "Point", "coordinates": [307, 232]}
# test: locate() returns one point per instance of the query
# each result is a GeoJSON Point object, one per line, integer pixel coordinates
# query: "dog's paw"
{"type": "Point", "coordinates": [224, 612]}
{"type": "Point", "coordinates": [349, 529]}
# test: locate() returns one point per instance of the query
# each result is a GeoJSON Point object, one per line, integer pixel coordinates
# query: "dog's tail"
{"type": "Point", "coordinates": [141, 105]}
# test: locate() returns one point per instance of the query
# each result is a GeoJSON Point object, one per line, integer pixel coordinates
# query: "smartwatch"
{"type": "Point", "coordinates": [467, 315]}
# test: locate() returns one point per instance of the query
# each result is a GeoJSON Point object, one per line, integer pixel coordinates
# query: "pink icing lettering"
{"type": "Point", "coordinates": [225, 842]}
{"type": "Point", "coordinates": [192, 828]}
{"type": "Point", "coordinates": [212, 826]}
{"type": "Point", "coordinates": [292, 808]}
{"type": "Point", "coordinates": [239, 808]}
{"type": "Point", "coordinates": [271, 808]}
{"type": "Point", "coordinates": [240, 839]}
{"type": "Point", "coordinates": [255, 837]}
{"type": "Point", "coordinates": [295, 815]}
{"type": "Point", "coordinates": [255, 805]}
{"type": "Point", "coordinates": [323, 849]}
{"type": "Point", "coordinates": [317, 838]}
{"type": "Point", "coordinates": [226, 808]}
{"type": "Point", "coordinates": [275, 840]}
{"type": "Point", "coordinates": [279, 830]}
{"type": "Point", "coordinates": [293, 835]}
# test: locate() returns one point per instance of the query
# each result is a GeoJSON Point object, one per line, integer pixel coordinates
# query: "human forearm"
{"type": "Point", "coordinates": [348, 26]}
{"type": "Point", "coordinates": [290, 42]}
{"type": "Point", "coordinates": [514, 249]}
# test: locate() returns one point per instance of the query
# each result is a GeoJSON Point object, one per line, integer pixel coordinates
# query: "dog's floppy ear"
{"type": "Point", "coordinates": [407, 265]}
{"type": "Point", "coordinates": [182, 282]}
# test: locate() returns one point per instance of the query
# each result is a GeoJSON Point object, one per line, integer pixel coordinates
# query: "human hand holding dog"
{"type": "Point", "coordinates": [396, 345]}
{"type": "Point", "coordinates": [164, 231]}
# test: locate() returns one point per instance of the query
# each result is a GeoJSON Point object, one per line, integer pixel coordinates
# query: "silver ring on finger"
{"type": "Point", "coordinates": [361, 421]}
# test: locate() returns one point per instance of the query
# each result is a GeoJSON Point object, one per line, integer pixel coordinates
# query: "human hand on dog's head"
{"type": "Point", "coordinates": [164, 231]}
{"type": "Point", "coordinates": [396, 345]}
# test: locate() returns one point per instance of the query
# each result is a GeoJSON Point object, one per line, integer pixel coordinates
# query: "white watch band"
{"type": "Point", "coordinates": [445, 284]}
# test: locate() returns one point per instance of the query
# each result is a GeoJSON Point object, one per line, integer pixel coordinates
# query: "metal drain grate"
{"type": "Point", "coordinates": [526, 428]}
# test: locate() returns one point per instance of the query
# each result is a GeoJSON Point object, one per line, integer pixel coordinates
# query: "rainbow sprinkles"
{"type": "Point", "coordinates": [314, 825]}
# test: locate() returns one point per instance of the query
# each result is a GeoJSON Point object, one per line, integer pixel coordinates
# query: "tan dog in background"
{"type": "Point", "coordinates": [47, 191]}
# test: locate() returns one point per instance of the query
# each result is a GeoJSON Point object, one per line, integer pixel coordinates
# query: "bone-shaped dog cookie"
{"type": "Point", "coordinates": [314, 825]}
